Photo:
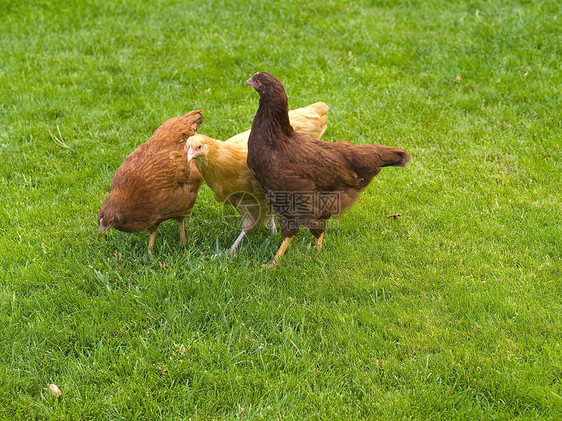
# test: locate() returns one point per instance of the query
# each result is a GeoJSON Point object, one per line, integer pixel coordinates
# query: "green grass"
{"type": "Point", "coordinates": [451, 312]}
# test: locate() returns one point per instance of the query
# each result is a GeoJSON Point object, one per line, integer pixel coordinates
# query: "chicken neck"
{"type": "Point", "coordinates": [272, 118]}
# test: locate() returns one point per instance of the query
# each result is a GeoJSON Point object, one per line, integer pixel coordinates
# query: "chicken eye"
{"type": "Point", "coordinates": [198, 147]}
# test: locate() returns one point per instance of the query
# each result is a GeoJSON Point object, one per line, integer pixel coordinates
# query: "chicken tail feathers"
{"type": "Point", "coordinates": [310, 120]}
{"type": "Point", "coordinates": [395, 157]}
{"type": "Point", "coordinates": [194, 119]}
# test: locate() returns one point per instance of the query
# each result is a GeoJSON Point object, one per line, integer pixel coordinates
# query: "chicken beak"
{"type": "Point", "coordinates": [249, 82]}
{"type": "Point", "coordinates": [190, 154]}
{"type": "Point", "coordinates": [103, 229]}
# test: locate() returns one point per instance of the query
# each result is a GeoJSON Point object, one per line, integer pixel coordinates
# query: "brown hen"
{"type": "Point", "coordinates": [155, 183]}
{"type": "Point", "coordinates": [307, 180]}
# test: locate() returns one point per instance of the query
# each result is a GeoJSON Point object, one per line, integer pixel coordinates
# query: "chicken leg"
{"type": "Point", "coordinates": [280, 252]}
{"type": "Point", "coordinates": [236, 243]}
{"type": "Point", "coordinates": [183, 240]}
{"type": "Point", "coordinates": [318, 242]}
{"type": "Point", "coordinates": [152, 231]}
{"type": "Point", "coordinates": [272, 225]}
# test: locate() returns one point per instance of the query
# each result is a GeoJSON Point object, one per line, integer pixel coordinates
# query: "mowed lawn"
{"type": "Point", "coordinates": [452, 311]}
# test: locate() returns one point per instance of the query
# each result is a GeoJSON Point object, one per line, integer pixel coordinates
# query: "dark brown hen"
{"type": "Point", "coordinates": [307, 180]}
{"type": "Point", "coordinates": [155, 183]}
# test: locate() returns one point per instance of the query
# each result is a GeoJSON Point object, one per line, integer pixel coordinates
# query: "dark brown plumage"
{"type": "Point", "coordinates": [307, 180]}
{"type": "Point", "coordinates": [155, 183]}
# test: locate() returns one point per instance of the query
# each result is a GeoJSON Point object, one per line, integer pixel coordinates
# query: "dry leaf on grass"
{"type": "Point", "coordinates": [55, 391]}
